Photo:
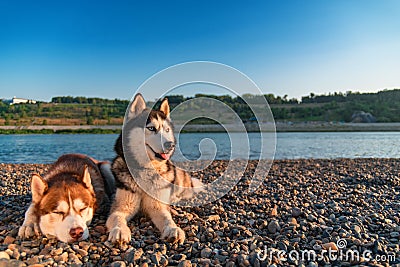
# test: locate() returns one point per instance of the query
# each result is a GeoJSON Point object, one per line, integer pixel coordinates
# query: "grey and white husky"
{"type": "Point", "coordinates": [151, 182]}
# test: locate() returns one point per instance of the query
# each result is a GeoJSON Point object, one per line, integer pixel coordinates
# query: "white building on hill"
{"type": "Point", "coordinates": [16, 100]}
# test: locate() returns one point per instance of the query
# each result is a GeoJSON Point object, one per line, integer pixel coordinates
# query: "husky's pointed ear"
{"type": "Point", "coordinates": [87, 180]}
{"type": "Point", "coordinates": [137, 106]}
{"type": "Point", "coordinates": [164, 107]}
{"type": "Point", "coordinates": [38, 188]}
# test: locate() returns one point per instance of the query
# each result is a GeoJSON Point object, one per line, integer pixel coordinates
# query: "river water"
{"type": "Point", "coordinates": [46, 148]}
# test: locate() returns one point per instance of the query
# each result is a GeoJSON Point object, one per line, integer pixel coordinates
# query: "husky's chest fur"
{"type": "Point", "coordinates": [164, 181]}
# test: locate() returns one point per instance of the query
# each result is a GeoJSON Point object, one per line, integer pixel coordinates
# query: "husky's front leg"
{"type": "Point", "coordinates": [30, 227]}
{"type": "Point", "coordinates": [161, 217]}
{"type": "Point", "coordinates": [125, 206]}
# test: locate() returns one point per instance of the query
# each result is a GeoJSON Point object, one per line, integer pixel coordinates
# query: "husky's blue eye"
{"type": "Point", "coordinates": [151, 128]}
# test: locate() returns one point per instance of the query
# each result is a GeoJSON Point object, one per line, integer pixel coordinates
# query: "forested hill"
{"type": "Point", "coordinates": [383, 106]}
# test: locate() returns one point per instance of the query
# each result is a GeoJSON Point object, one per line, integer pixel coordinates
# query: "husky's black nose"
{"type": "Point", "coordinates": [76, 233]}
{"type": "Point", "coordinates": [169, 145]}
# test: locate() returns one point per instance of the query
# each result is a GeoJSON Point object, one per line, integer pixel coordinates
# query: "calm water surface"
{"type": "Point", "coordinates": [46, 148]}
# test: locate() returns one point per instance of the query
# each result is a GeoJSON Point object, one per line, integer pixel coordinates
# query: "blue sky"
{"type": "Point", "coordinates": [108, 48]}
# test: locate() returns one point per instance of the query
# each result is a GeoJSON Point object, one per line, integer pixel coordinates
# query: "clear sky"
{"type": "Point", "coordinates": [108, 48]}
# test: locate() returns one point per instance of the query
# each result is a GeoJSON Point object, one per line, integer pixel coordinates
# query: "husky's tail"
{"type": "Point", "coordinates": [109, 180]}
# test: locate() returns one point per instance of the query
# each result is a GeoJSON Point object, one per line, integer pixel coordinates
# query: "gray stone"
{"type": "Point", "coordinates": [282, 246]}
{"type": "Point", "coordinates": [394, 234]}
{"type": "Point", "coordinates": [311, 218]}
{"type": "Point", "coordinates": [179, 257]}
{"type": "Point", "coordinates": [206, 253]}
{"type": "Point", "coordinates": [296, 212]}
{"type": "Point", "coordinates": [273, 227]}
{"type": "Point", "coordinates": [118, 264]}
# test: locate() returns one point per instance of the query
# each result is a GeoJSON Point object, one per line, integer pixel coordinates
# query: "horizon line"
{"type": "Point", "coordinates": [276, 95]}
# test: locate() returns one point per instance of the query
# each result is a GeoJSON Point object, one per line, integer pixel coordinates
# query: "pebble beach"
{"type": "Point", "coordinates": [339, 206]}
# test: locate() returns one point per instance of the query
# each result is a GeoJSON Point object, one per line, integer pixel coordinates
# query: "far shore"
{"type": "Point", "coordinates": [197, 128]}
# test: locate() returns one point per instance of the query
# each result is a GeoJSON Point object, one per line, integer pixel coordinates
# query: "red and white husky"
{"type": "Point", "coordinates": [65, 199]}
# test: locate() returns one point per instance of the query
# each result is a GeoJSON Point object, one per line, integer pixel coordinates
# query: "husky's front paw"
{"type": "Point", "coordinates": [120, 234]}
{"type": "Point", "coordinates": [28, 230]}
{"type": "Point", "coordinates": [174, 235]}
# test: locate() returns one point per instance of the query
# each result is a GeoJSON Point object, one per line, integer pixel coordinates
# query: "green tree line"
{"type": "Point", "coordinates": [384, 106]}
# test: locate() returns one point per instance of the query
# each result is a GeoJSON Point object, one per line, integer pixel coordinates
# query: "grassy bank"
{"type": "Point", "coordinates": [66, 110]}
{"type": "Point", "coordinates": [63, 131]}
{"type": "Point", "coordinates": [198, 128]}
